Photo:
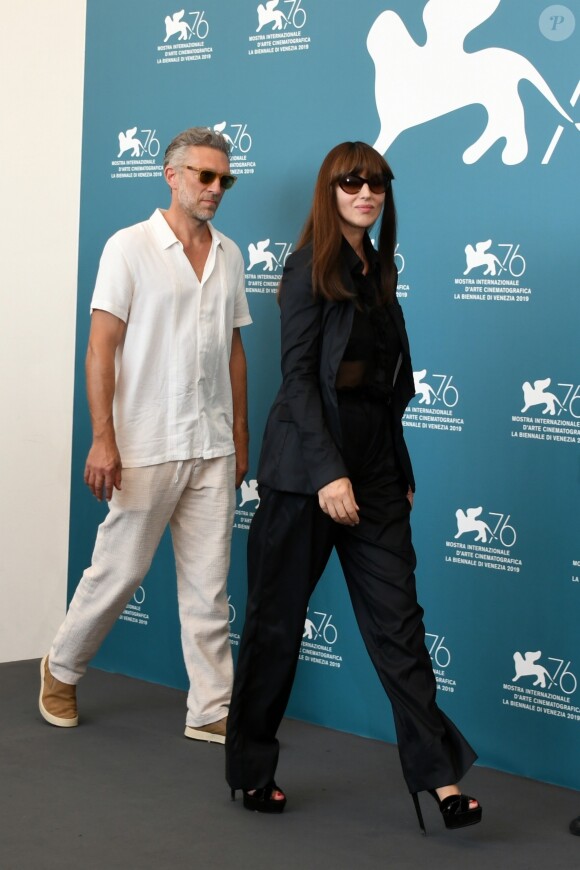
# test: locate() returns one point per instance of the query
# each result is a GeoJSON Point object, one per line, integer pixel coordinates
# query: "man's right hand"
{"type": "Point", "coordinates": [337, 500]}
{"type": "Point", "coordinates": [103, 470]}
{"type": "Point", "coordinates": [103, 467]}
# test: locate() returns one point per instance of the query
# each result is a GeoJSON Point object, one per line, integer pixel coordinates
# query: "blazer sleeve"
{"type": "Point", "coordinates": [302, 318]}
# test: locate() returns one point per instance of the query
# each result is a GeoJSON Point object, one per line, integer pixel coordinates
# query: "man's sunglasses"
{"type": "Point", "coordinates": [206, 176]}
{"type": "Point", "coordinates": [354, 183]}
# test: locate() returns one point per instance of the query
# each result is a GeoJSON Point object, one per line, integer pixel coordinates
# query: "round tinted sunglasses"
{"type": "Point", "coordinates": [207, 176]}
{"type": "Point", "coordinates": [354, 183]}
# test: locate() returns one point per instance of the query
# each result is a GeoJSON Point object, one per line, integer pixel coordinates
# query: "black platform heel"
{"type": "Point", "coordinates": [454, 808]}
{"type": "Point", "coordinates": [261, 801]}
{"type": "Point", "coordinates": [417, 805]}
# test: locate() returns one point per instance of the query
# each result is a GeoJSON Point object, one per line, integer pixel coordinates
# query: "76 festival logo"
{"type": "Point", "coordinates": [551, 399]}
{"type": "Point", "coordinates": [194, 26]}
{"type": "Point", "coordinates": [261, 254]}
{"type": "Point", "coordinates": [556, 673]}
{"type": "Point", "coordinates": [319, 627]}
{"type": "Point", "coordinates": [443, 390]}
{"type": "Point", "coordinates": [239, 139]}
{"type": "Point", "coordinates": [509, 259]}
{"type": "Point", "coordinates": [138, 143]}
{"type": "Point", "coordinates": [486, 530]}
{"type": "Point", "coordinates": [272, 16]}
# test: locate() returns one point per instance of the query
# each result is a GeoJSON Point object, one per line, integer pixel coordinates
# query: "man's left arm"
{"type": "Point", "coordinates": [239, 380]}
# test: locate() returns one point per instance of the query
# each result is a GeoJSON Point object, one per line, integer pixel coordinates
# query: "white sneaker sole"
{"type": "Point", "coordinates": [53, 720]}
{"type": "Point", "coordinates": [196, 734]}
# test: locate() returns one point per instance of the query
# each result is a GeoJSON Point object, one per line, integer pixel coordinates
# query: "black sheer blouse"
{"type": "Point", "coordinates": [370, 358]}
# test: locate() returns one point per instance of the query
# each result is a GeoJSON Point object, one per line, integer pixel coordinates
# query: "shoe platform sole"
{"type": "Point", "coordinates": [195, 734]}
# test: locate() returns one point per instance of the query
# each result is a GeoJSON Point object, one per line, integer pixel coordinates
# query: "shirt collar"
{"type": "Point", "coordinates": [353, 261]}
{"type": "Point", "coordinates": [165, 235]}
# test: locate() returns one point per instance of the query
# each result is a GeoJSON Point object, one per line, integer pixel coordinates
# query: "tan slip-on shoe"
{"type": "Point", "coordinates": [57, 701]}
{"type": "Point", "coordinates": [215, 732]}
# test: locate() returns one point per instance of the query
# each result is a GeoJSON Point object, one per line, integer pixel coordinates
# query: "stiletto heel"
{"type": "Point", "coordinates": [456, 811]}
{"type": "Point", "coordinates": [232, 794]}
{"type": "Point", "coordinates": [261, 800]}
{"type": "Point", "coordinates": [415, 797]}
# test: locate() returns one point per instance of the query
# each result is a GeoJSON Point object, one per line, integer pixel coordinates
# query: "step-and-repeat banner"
{"type": "Point", "coordinates": [475, 105]}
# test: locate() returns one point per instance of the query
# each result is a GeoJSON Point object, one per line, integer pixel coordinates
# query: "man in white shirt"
{"type": "Point", "coordinates": [166, 384]}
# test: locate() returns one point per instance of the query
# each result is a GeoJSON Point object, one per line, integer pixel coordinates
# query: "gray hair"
{"type": "Point", "coordinates": [203, 136]}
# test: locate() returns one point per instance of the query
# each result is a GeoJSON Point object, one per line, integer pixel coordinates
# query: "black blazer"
{"type": "Point", "coordinates": [302, 441]}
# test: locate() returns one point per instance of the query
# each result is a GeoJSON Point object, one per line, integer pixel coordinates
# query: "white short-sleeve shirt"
{"type": "Point", "coordinates": [173, 396]}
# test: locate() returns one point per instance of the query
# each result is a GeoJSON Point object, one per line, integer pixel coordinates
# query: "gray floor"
{"type": "Point", "coordinates": [127, 790]}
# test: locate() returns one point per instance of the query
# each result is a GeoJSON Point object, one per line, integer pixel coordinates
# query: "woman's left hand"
{"type": "Point", "coordinates": [410, 496]}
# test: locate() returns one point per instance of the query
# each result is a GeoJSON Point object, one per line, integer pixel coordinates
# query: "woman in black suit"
{"type": "Point", "coordinates": [334, 471]}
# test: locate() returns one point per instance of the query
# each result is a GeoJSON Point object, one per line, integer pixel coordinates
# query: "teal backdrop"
{"type": "Point", "coordinates": [476, 107]}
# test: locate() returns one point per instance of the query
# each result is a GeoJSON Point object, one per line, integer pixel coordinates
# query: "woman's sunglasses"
{"type": "Point", "coordinates": [206, 176]}
{"type": "Point", "coordinates": [354, 183]}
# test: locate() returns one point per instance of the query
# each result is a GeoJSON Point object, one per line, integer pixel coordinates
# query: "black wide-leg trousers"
{"type": "Point", "coordinates": [289, 544]}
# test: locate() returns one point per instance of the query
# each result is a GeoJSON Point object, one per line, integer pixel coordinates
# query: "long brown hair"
{"type": "Point", "coordinates": [322, 228]}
